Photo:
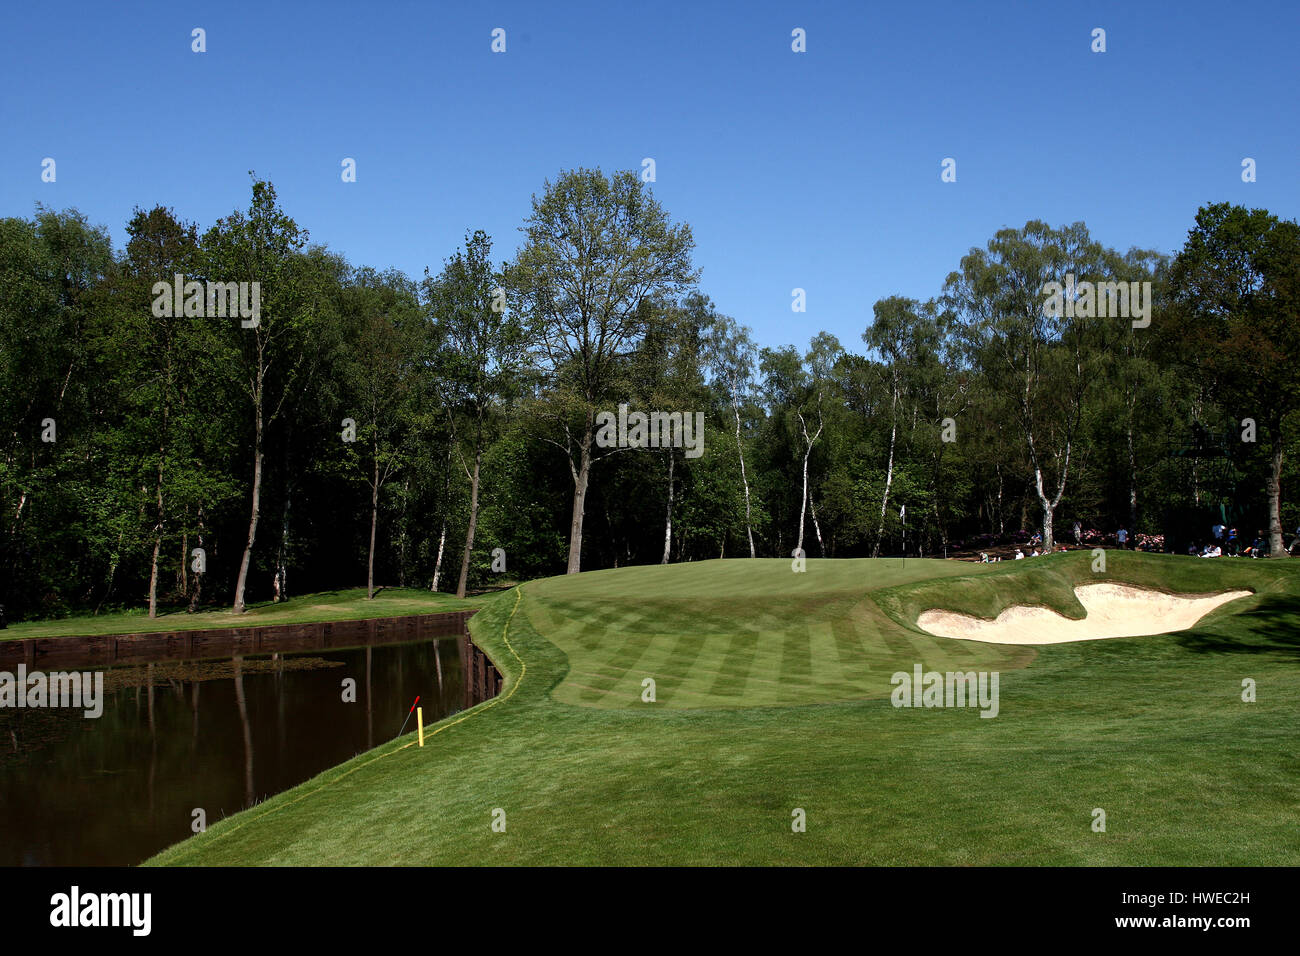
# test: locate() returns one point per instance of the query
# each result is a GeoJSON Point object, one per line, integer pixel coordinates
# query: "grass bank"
{"type": "Point", "coordinates": [346, 605]}
{"type": "Point", "coordinates": [772, 696]}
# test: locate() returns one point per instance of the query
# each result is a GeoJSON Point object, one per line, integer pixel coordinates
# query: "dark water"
{"type": "Point", "coordinates": [218, 735]}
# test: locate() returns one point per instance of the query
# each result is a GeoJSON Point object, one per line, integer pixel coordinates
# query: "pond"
{"type": "Point", "coordinates": [219, 735]}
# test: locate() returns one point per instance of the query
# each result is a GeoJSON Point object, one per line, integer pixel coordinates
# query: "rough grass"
{"type": "Point", "coordinates": [350, 604]}
{"type": "Point", "coordinates": [1152, 730]}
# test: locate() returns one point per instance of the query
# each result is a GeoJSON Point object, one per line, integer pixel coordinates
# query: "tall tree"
{"type": "Point", "coordinates": [484, 350]}
{"type": "Point", "coordinates": [731, 357]}
{"type": "Point", "coordinates": [157, 358]}
{"type": "Point", "coordinates": [1235, 284]}
{"type": "Point", "coordinates": [1047, 361]}
{"type": "Point", "coordinates": [597, 248]}
{"type": "Point", "coordinates": [382, 317]}
{"type": "Point", "coordinates": [266, 354]}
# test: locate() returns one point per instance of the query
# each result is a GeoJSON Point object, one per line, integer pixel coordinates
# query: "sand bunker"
{"type": "Point", "coordinates": [1114, 610]}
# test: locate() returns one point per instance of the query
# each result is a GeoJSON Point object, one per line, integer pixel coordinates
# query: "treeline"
{"type": "Point", "coordinates": [184, 442]}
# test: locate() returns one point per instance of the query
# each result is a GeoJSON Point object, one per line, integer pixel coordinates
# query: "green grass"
{"type": "Point", "coordinates": [773, 694]}
{"type": "Point", "coordinates": [350, 604]}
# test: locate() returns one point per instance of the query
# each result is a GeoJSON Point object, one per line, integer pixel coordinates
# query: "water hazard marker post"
{"type": "Point", "coordinates": [419, 722]}
{"type": "Point", "coordinates": [408, 714]}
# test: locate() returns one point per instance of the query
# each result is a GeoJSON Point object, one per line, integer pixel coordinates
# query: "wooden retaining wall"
{"type": "Point", "coordinates": [481, 678]}
{"type": "Point", "coordinates": [106, 650]}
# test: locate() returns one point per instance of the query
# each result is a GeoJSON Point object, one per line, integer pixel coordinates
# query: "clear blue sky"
{"type": "Point", "coordinates": [818, 170]}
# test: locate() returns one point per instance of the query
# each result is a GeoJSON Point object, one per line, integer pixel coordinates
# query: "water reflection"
{"type": "Point", "coordinates": [220, 735]}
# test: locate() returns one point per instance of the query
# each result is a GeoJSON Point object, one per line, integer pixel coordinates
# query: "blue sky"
{"type": "Point", "coordinates": [818, 170]}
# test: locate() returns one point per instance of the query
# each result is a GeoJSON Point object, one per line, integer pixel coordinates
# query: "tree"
{"type": "Point", "coordinates": [731, 357]}
{"type": "Point", "coordinates": [157, 358]}
{"type": "Point", "coordinates": [1235, 285]}
{"type": "Point", "coordinates": [795, 389]}
{"type": "Point", "coordinates": [597, 248]}
{"type": "Point", "coordinates": [1046, 361]}
{"type": "Point", "coordinates": [55, 273]}
{"type": "Point", "coordinates": [266, 357]}
{"type": "Point", "coordinates": [484, 348]}
{"type": "Point", "coordinates": [382, 318]}
{"type": "Point", "coordinates": [901, 337]}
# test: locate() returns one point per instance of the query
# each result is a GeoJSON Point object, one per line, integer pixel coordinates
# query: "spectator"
{"type": "Point", "coordinates": [1078, 533]}
{"type": "Point", "coordinates": [1218, 530]}
{"type": "Point", "coordinates": [1019, 554]}
{"type": "Point", "coordinates": [1233, 542]}
{"type": "Point", "coordinates": [1122, 536]}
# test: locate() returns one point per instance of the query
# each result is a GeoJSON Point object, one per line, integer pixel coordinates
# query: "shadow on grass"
{"type": "Point", "coordinates": [1271, 626]}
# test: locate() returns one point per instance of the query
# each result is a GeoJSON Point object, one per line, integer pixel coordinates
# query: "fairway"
{"type": "Point", "coordinates": [773, 695]}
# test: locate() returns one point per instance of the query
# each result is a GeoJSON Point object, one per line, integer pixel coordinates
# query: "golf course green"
{"type": "Point", "coordinates": [772, 695]}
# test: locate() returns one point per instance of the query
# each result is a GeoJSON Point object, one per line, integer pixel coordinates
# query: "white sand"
{"type": "Point", "coordinates": [1114, 610]}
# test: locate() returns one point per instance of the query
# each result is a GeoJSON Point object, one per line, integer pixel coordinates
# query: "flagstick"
{"type": "Point", "coordinates": [408, 714]}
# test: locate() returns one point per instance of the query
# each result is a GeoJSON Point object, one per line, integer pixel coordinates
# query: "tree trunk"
{"type": "Point", "coordinates": [374, 520]}
{"type": "Point", "coordinates": [198, 575]}
{"type": "Point", "coordinates": [282, 553]}
{"type": "Point", "coordinates": [744, 479]}
{"type": "Point", "coordinates": [252, 521]}
{"type": "Point", "coordinates": [442, 537]}
{"type": "Point", "coordinates": [183, 575]}
{"type": "Point", "coordinates": [938, 521]}
{"type": "Point", "coordinates": [808, 447]}
{"type": "Point", "coordinates": [581, 478]}
{"type": "Point", "coordinates": [437, 565]}
{"type": "Point", "coordinates": [668, 524]}
{"type": "Point", "coordinates": [158, 528]}
{"type": "Point", "coordinates": [812, 509]}
{"type": "Point", "coordinates": [401, 547]}
{"type": "Point", "coordinates": [157, 546]}
{"type": "Point", "coordinates": [1275, 546]}
{"type": "Point", "coordinates": [473, 522]}
{"type": "Point", "coordinates": [281, 580]}
{"type": "Point", "coordinates": [803, 502]}
{"type": "Point", "coordinates": [1049, 506]}
{"type": "Point", "coordinates": [889, 481]}
{"type": "Point", "coordinates": [1132, 479]}
{"type": "Point", "coordinates": [1002, 518]}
